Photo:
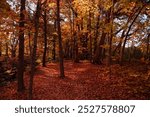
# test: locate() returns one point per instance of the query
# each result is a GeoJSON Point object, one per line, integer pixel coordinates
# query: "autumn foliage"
{"type": "Point", "coordinates": [74, 49]}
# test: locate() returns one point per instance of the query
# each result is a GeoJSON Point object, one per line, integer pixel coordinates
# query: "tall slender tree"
{"type": "Point", "coordinates": [127, 34]}
{"type": "Point", "coordinates": [45, 34]}
{"type": "Point", "coordinates": [33, 57]}
{"type": "Point", "coordinates": [62, 75]}
{"type": "Point", "coordinates": [21, 48]}
{"type": "Point", "coordinates": [54, 42]}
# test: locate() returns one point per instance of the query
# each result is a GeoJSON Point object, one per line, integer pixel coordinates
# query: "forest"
{"type": "Point", "coordinates": [75, 49]}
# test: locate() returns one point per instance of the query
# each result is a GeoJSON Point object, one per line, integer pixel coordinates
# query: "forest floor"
{"type": "Point", "coordinates": [85, 81]}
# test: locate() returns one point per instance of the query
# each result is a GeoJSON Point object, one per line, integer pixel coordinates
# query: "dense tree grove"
{"type": "Point", "coordinates": [104, 32]}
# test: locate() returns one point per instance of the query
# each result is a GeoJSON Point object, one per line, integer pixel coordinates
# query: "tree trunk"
{"type": "Point", "coordinates": [13, 52]}
{"type": "Point", "coordinates": [76, 52]}
{"type": "Point", "coordinates": [147, 49]}
{"type": "Point", "coordinates": [29, 46]}
{"type": "Point", "coordinates": [90, 37]}
{"type": "Point", "coordinates": [96, 33]}
{"type": "Point", "coordinates": [54, 48]}
{"type": "Point", "coordinates": [111, 17]}
{"type": "Point", "coordinates": [45, 37]}
{"type": "Point", "coordinates": [6, 49]}
{"type": "Point", "coordinates": [21, 48]}
{"type": "Point", "coordinates": [126, 36]}
{"type": "Point", "coordinates": [54, 43]}
{"type": "Point", "coordinates": [76, 29]}
{"type": "Point", "coordinates": [66, 49]}
{"type": "Point", "coordinates": [33, 57]}
{"type": "Point", "coordinates": [0, 48]}
{"type": "Point", "coordinates": [98, 54]}
{"type": "Point", "coordinates": [62, 75]}
{"type": "Point", "coordinates": [118, 47]}
{"type": "Point", "coordinates": [71, 22]}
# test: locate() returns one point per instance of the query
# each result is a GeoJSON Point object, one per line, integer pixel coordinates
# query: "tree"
{"type": "Point", "coordinates": [62, 75]}
{"type": "Point", "coordinates": [126, 36]}
{"type": "Point", "coordinates": [147, 49]}
{"type": "Point", "coordinates": [21, 48]}
{"type": "Point", "coordinates": [54, 42]}
{"type": "Point", "coordinates": [33, 57]}
{"type": "Point", "coordinates": [45, 34]}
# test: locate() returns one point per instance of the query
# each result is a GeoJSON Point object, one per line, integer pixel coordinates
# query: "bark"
{"type": "Point", "coordinates": [76, 52]}
{"type": "Point", "coordinates": [30, 47]}
{"type": "Point", "coordinates": [71, 21]}
{"type": "Point", "coordinates": [13, 52]}
{"type": "Point", "coordinates": [0, 48]}
{"type": "Point", "coordinates": [67, 49]}
{"type": "Point", "coordinates": [111, 17]}
{"type": "Point", "coordinates": [98, 54]}
{"type": "Point", "coordinates": [45, 37]}
{"type": "Point", "coordinates": [33, 57]}
{"type": "Point", "coordinates": [54, 43]}
{"type": "Point", "coordinates": [75, 34]}
{"type": "Point", "coordinates": [96, 33]}
{"type": "Point", "coordinates": [90, 37]}
{"type": "Point", "coordinates": [62, 75]}
{"type": "Point", "coordinates": [75, 37]}
{"type": "Point", "coordinates": [6, 50]}
{"type": "Point", "coordinates": [147, 49]}
{"type": "Point", "coordinates": [21, 48]}
{"type": "Point", "coordinates": [54, 48]}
